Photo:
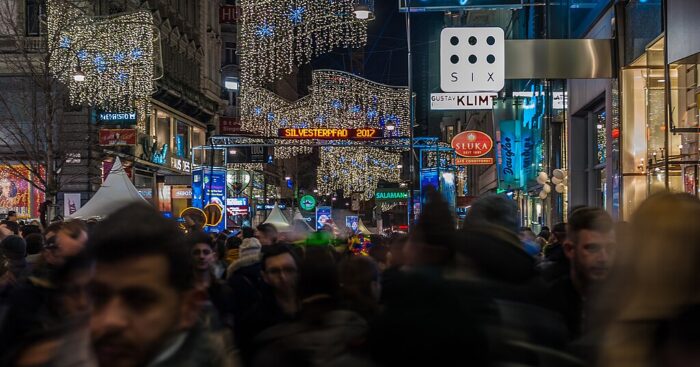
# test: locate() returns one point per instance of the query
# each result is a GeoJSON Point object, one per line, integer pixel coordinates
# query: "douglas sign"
{"type": "Point", "coordinates": [471, 145]}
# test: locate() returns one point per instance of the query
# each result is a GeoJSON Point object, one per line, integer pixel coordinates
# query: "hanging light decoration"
{"type": "Point", "coordinates": [278, 35]}
{"type": "Point", "coordinates": [336, 99]}
{"type": "Point", "coordinates": [107, 62]}
{"type": "Point", "coordinates": [356, 168]}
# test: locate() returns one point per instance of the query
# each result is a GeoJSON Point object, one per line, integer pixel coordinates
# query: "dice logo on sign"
{"type": "Point", "coordinates": [472, 59]}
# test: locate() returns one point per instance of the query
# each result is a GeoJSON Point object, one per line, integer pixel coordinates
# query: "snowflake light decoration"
{"type": "Point", "coordinates": [277, 35]}
{"type": "Point", "coordinates": [117, 55]}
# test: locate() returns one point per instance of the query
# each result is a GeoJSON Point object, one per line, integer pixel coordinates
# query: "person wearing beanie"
{"type": "Point", "coordinates": [245, 279]}
{"type": "Point", "coordinates": [15, 267]}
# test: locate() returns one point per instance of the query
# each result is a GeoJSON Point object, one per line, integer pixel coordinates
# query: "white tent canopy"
{"type": "Point", "coordinates": [362, 228]}
{"type": "Point", "coordinates": [277, 219]}
{"type": "Point", "coordinates": [116, 192]}
{"type": "Point", "coordinates": [300, 223]}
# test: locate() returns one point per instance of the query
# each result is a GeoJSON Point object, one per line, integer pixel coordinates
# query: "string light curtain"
{"type": "Point", "coordinates": [336, 99]}
{"type": "Point", "coordinates": [278, 35]}
{"type": "Point", "coordinates": [356, 168]}
{"type": "Point", "coordinates": [116, 54]}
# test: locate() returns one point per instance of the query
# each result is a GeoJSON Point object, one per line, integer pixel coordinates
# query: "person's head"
{"type": "Point", "coordinates": [247, 232]}
{"type": "Point", "coordinates": [233, 243]}
{"type": "Point", "coordinates": [559, 233]}
{"type": "Point", "coordinates": [267, 234]}
{"type": "Point", "coordinates": [11, 225]}
{"type": "Point", "coordinates": [318, 273]}
{"type": "Point", "coordinates": [13, 248]}
{"type": "Point", "coordinates": [12, 216]}
{"type": "Point", "coordinates": [202, 250]}
{"type": "Point", "coordinates": [250, 247]}
{"type": "Point", "coordinates": [432, 241]}
{"type": "Point", "coordinates": [545, 233]}
{"type": "Point", "coordinates": [71, 280]}
{"type": "Point", "coordinates": [526, 234]}
{"type": "Point", "coordinates": [590, 245]}
{"type": "Point", "coordinates": [380, 254]}
{"type": "Point", "coordinates": [280, 269]}
{"type": "Point", "coordinates": [359, 278]}
{"type": "Point", "coordinates": [30, 229]}
{"type": "Point", "coordinates": [52, 229]}
{"type": "Point", "coordinates": [35, 243]}
{"type": "Point", "coordinates": [142, 292]}
{"type": "Point", "coordinates": [69, 239]}
{"type": "Point", "coordinates": [396, 245]}
{"type": "Point", "coordinates": [496, 210]}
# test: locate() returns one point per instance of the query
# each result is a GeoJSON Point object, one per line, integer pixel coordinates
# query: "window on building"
{"type": "Point", "coordinates": [163, 133]}
{"type": "Point", "coordinates": [198, 137]}
{"type": "Point", "coordinates": [8, 18]}
{"type": "Point", "coordinates": [230, 56]}
{"type": "Point", "coordinates": [182, 140]}
{"type": "Point", "coordinates": [33, 11]}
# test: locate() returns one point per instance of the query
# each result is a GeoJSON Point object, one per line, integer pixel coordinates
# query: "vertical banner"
{"type": "Point", "coordinates": [448, 189]}
{"type": "Point", "coordinates": [197, 189]}
{"type": "Point", "coordinates": [71, 203]}
{"type": "Point", "coordinates": [214, 198]}
{"type": "Point", "coordinates": [509, 155]}
{"type": "Point", "coordinates": [352, 222]}
{"type": "Point", "coordinates": [428, 177]}
{"type": "Point", "coordinates": [531, 136]}
{"type": "Point", "coordinates": [323, 216]}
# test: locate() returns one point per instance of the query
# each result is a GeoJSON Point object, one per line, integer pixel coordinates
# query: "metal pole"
{"type": "Point", "coordinates": [411, 113]}
{"type": "Point", "coordinates": [667, 101]}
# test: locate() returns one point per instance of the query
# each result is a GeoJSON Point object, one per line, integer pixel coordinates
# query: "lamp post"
{"type": "Point", "coordinates": [411, 115]}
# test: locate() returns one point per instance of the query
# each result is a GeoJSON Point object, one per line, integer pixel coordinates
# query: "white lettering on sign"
{"type": "Point", "coordinates": [109, 116]}
{"type": "Point", "coordinates": [462, 101]}
{"type": "Point", "coordinates": [472, 59]}
{"type": "Point", "coordinates": [180, 164]}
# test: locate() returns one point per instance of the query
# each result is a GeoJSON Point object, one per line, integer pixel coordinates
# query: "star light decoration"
{"type": "Point", "coordinates": [277, 35]}
{"type": "Point", "coordinates": [356, 168]}
{"type": "Point", "coordinates": [336, 99]}
{"type": "Point", "coordinates": [117, 55]}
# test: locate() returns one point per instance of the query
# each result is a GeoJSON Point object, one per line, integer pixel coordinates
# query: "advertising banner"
{"type": "Point", "coordinates": [197, 189]}
{"type": "Point", "coordinates": [229, 125]}
{"type": "Point", "coordinates": [181, 192]}
{"type": "Point", "coordinates": [17, 194]}
{"type": "Point", "coordinates": [323, 216]}
{"type": "Point", "coordinates": [531, 140]}
{"type": "Point", "coordinates": [71, 203]}
{"type": "Point", "coordinates": [352, 222]}
{"type": "Point", "coordinates": [509, 156]}
{"type": "Point", "coordinates": [214, 187]}
{"type": "Point", "coordinates": [471, 147]}
{"type": "Point", "coordinates": [117, 137]}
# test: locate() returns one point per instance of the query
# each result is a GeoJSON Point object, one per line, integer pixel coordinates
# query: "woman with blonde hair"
{"type": "Point", "coordinates": [657, 276]}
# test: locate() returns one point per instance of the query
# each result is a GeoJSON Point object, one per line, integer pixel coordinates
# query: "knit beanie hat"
{"type": "Point", "coordinates": [250, 247]}
{"type": "Point", "coordinates": [14, 247]}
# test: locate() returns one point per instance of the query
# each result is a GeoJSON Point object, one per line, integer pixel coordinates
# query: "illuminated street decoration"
{"type": "Point", "coordinates": [336, 100]}
{"type": "Point", "coordinates": [116, 54]}
{"type": "Point", "coordinates": [278, 35]}
{"type": "Point", "coordinates": [330, 133]}
{"type": "Point", "coordinates": [356, 169]}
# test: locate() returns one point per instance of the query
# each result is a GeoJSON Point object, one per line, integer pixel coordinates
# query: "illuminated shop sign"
{"type": "Point", "coordinates": [180, 164]}
{"type": "Point", "coordinates": [391, 195]}
{"type": "Point", "coordinates": [472, 146]}
{"type": "Point", "coordinates": [331, 133]}
{"type": "Point", "coordinates": [115, 118]}
{"type": "Point", "coordinates": [462, 101]}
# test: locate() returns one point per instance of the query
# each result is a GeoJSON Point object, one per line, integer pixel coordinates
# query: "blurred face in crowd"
{"type": "Point", "coordinates": [281, 273]}
{"type": "Point", "coordinates": [136, 310]}
{"type": "Point", "coordinates": [70, 245]}
{"type": "Point", "coordinates": [74, 293]}
{"type": "Point", "coordinates": [203, 257]}
{"type": "Point", "coordinates": [592, 254]}
{"type": "Point", "coordinates": [265, 239]}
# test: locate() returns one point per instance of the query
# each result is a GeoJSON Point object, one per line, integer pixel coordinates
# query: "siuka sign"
{"type": "Point", "coordinates": [472, 146]}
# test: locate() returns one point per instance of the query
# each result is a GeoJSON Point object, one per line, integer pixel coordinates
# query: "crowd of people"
{"type": "Point", "coordinates": [134, 290]}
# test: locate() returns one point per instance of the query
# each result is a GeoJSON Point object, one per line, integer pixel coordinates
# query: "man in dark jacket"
{"type": "Point", "coordinates": [590, 247]}
{"type": "Point", "coordinates": [555, 264]}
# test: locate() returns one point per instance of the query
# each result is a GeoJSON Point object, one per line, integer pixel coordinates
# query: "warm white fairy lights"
{"type": "Point", "coordinates": [116, 54]}
{"type": "Point", "coordinates": [356, 168]}
{"type": "Point", "coordinates": [278, 35]}
{"type": "Point", "coordinates": [336, 99]}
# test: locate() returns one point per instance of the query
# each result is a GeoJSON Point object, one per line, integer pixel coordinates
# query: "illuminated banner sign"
{"type": "Point", "coordinates": [473, 161]}
{"type": "Point", "coordinates": [117, 137]}
{"type": "Point", "coordinates": [472, 144]}
{"type": "Point", "coordinates": [115, 118]}
{"type": "Point", "coordinates": [462, 101]}
{"type": "Point", "coordinates": [446, 5]}
{"type": "Point", "coordinates": [331, 133]}
{"type": "Point", "coordinates": [389, 195]}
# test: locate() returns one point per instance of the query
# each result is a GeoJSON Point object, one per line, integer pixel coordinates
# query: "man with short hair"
{"type": "Point", "coordinates": [11, 216]}
{"type": "Point", "coordinates": [267, 234]}
{"type": "Point", "coordinates": [590, 248]}
{"type": "Point", "coordinates": [279, 303]}
{"type": "Point", "coordinates": [145, 305]}
{"type": "Point", "coordinates": [555, 264]}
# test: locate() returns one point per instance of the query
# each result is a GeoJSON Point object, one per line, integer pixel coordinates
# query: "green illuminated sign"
{"type": "Point", "coordinates": [307, 202]}
{"type": "Point", "coordinates": [391, 195]}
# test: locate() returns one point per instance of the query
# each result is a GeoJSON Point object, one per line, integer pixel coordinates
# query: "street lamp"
{"type": "Point", "coordinates": [78, 75]}
{"type": "Point", "coordinates": [390, 125]}
{"type": "Point", "coordinates": [363, 9]}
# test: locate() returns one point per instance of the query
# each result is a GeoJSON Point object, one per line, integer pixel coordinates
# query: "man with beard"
{"type": "Point", "coordinates": [590, 248]}
{"type": "Point", "coordinates": [145, 305]}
